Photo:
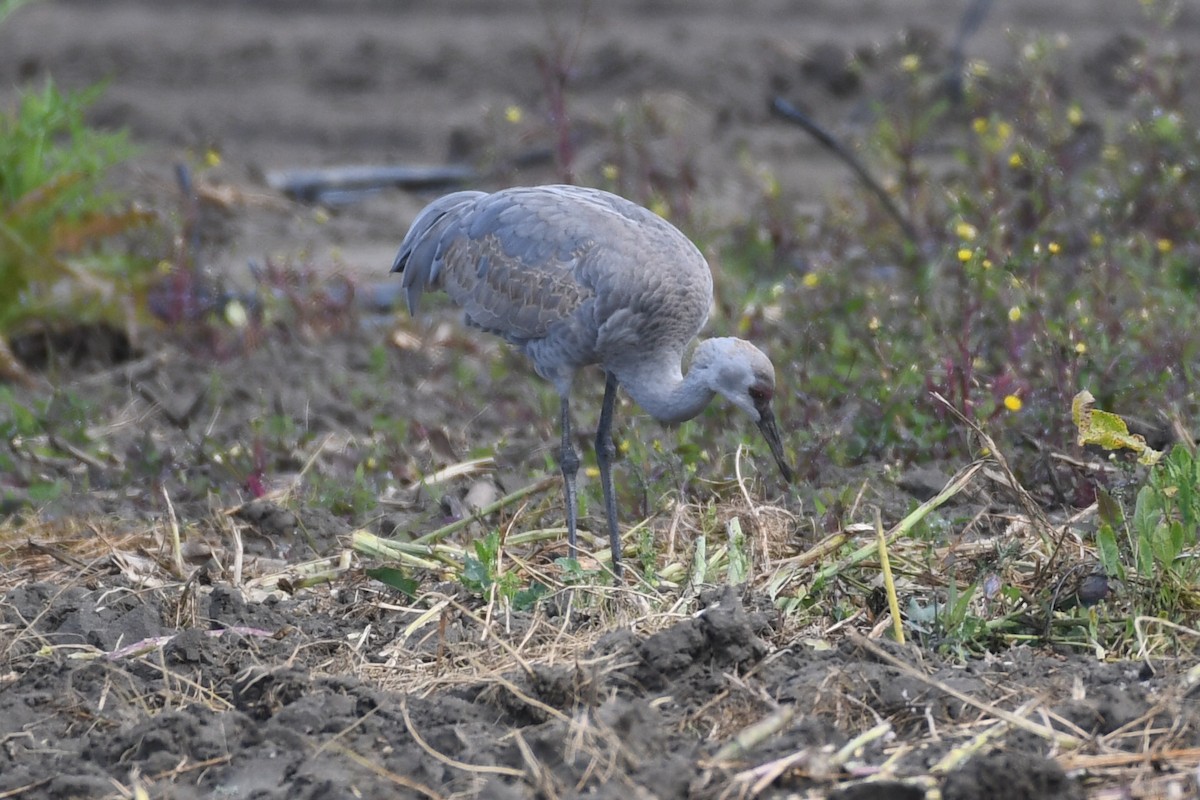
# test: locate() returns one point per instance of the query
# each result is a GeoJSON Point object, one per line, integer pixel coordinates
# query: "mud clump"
{"type": "Point", "coordinates": [1010, 775]}
{"type": "Point", "coordinates": [723, 635]}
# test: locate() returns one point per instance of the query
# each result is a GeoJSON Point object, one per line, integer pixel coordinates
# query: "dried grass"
{"type": "Point", "coordinates": [449, 643]}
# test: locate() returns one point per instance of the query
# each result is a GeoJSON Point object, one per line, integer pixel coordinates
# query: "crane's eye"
{"type": "Point", "coordinates": [760, 395]}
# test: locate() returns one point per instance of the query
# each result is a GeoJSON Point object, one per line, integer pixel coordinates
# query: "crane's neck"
{"type": "Point", "coordinates": [663, 391]}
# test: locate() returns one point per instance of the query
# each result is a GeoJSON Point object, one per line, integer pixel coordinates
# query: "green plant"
{"type": "Point", "coordinates": [482, 573]}
{"type": "Point", "coordinates": [952, 624]}
{"type": "Point", "coordinates": [38, 431]}
{"type": "Point", "coordinates": [1151, 545]}
{"type": "Point", "coordinates": [347, 498]}
{"type": "Point", "coordinates": [55, 214]}
{"type": "Point", "coordinates": [1056, 252]}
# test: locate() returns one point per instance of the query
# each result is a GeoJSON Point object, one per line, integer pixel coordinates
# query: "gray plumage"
{"type": "Point", "coordinates": [576, 276]}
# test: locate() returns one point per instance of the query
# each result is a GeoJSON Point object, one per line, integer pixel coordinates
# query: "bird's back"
{"type": "Point", "coordinates": [573, 275]}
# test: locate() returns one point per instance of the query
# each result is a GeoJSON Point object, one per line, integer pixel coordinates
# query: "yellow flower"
{"type": "Point", "coordinates": [1075, 115]}
{"type": "Point", "coordinates": [1164, 246]}
{"type": "Point", "coordinates": [811, 280]}
{"type": "Point", "coordinates": [964, 254]}
{"type": "Point", "coordinates": [235, 315]}
{"type": "Point", "coordinates": [1054, 248]}
{"type": "Point", "coordinates": [1012, 403]}
{"type": "Point", "coordinates": [591, 472]}
{"type": "Point", "coordinates": [1015, 160]}
{"type": "Point", "coordinates": [977, 67]}
{"type": "Point", "coordinates": [873, 324]}
{"type": "Point", "coordinates": [979, 125]}
{"type": "Point", "coordinates": [1097, 239]}
{"type": "Point", "coordinates": [513, 114]}
{"type": "Point", "coordinates": [1003, 131]}
{"type": "Point", "coordinates": [987, 263]}
{"type": "Point", "coordinates": [1014, 314]}
{"type": "Point", "coordinates": [910, 63]}
{"type": "Point", "coordinates": [610, 172]}
{"type": "Point", "coordinates": [623, 447]}
{"type": "Point", "coordinates": [212, 157]}
{"type": "Point", "coordinates": [1080, 348]}
{"type": "Point", "coordinates": [966, 231]}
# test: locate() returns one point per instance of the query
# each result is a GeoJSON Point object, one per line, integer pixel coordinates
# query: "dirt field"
{"type": "Point", "coordinates": [117, 679]}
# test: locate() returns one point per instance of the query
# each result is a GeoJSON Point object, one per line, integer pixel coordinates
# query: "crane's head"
{"type": "Point", "coordinates": [745, 376]}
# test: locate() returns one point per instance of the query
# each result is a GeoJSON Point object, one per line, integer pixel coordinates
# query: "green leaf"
{"type": "Point", "coordinates": [1173, 542]}
{"type": "Point", "coordinates": [24, 421]}
{"type": "Point", "coordinates": [488, 549]}
{"type": "Point", "coordinates": [1110, 553]}
{"type": "Point", "coordinates": [527, 598]}
{"type": "Point", "coordinates": [475, 575]}
{"type": "Point", "coordinates": [1178, 485]}
{"type": "Point", "coordinates": [395, 578]}
{"type": "Point", "coordinates": [1147, 517]}
{"type": "Point", "coordinates": [46, 491]}
{"type": "Point", "coordinates": [572, 570]}
{"type": "Point", "coordinates": [1109, 510]}
{"type": "Point", "coordinates": [1147, 513]}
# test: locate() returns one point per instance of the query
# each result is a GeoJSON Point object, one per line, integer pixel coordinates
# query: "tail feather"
{"type": "Point", "coordinates": [420, 255]}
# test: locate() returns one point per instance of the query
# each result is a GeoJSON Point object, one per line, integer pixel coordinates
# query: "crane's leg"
{"type": "Point", "coordinates": [604, 457]}
{"type": "Point", "coordinates": [568, 460]}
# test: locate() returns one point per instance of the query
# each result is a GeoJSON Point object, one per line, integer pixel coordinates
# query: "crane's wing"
{"type": "Point", "coordinates": [420, 258]}
{"type": "Point", "coordinates": [523, 260]}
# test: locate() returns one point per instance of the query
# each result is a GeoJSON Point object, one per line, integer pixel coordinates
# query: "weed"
{"type": "Point", "coordinates": [554, 65]}
{"type": "Point", "coordinates": [951, 624]}
{"type": "Point", "coordinates": [55, 216]}
{"type": "Point", "coordinates": [34, 437]}
{"type": "Point", "coordinates": [482, 573]}
{"type": "Point", "coordinates": [1057, 254]}
{"type": "Point", "coordinates": [1150, 546]}
{"type": "Point", "coordinates": [347, 498]}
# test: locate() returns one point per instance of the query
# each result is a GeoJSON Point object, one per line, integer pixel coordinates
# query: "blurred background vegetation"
{"type": "Point", "coordinates": [59, 218]}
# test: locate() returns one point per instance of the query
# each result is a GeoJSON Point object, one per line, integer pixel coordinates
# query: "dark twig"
{"type": "Point", "coordinates": [970, 22]}
{"type": "Point", "coordinates": [181, 420]}
{"type": "Point", "coordinates": [785, 110]}
{"type": "Point", "coordinates": [555, 68]}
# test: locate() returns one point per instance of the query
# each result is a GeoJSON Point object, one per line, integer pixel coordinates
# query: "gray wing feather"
{"type": "Point", "coordinates": [558, 262]}
{"type": "Point", "coordinates": [421, 253]}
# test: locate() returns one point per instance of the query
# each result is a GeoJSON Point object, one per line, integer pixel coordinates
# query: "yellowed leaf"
{"type": "Point", "coordinates": [1107, 430]}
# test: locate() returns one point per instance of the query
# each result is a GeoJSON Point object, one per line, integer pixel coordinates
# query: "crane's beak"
{"type": "Point", "coordinates": [770, 432]}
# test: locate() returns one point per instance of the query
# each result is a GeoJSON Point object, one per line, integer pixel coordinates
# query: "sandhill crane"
{"type": "Point", "coordinates": [575, 276]}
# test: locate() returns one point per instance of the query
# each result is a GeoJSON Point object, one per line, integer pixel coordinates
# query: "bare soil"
{"type": "Point", "coordinates": [116, 677]}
